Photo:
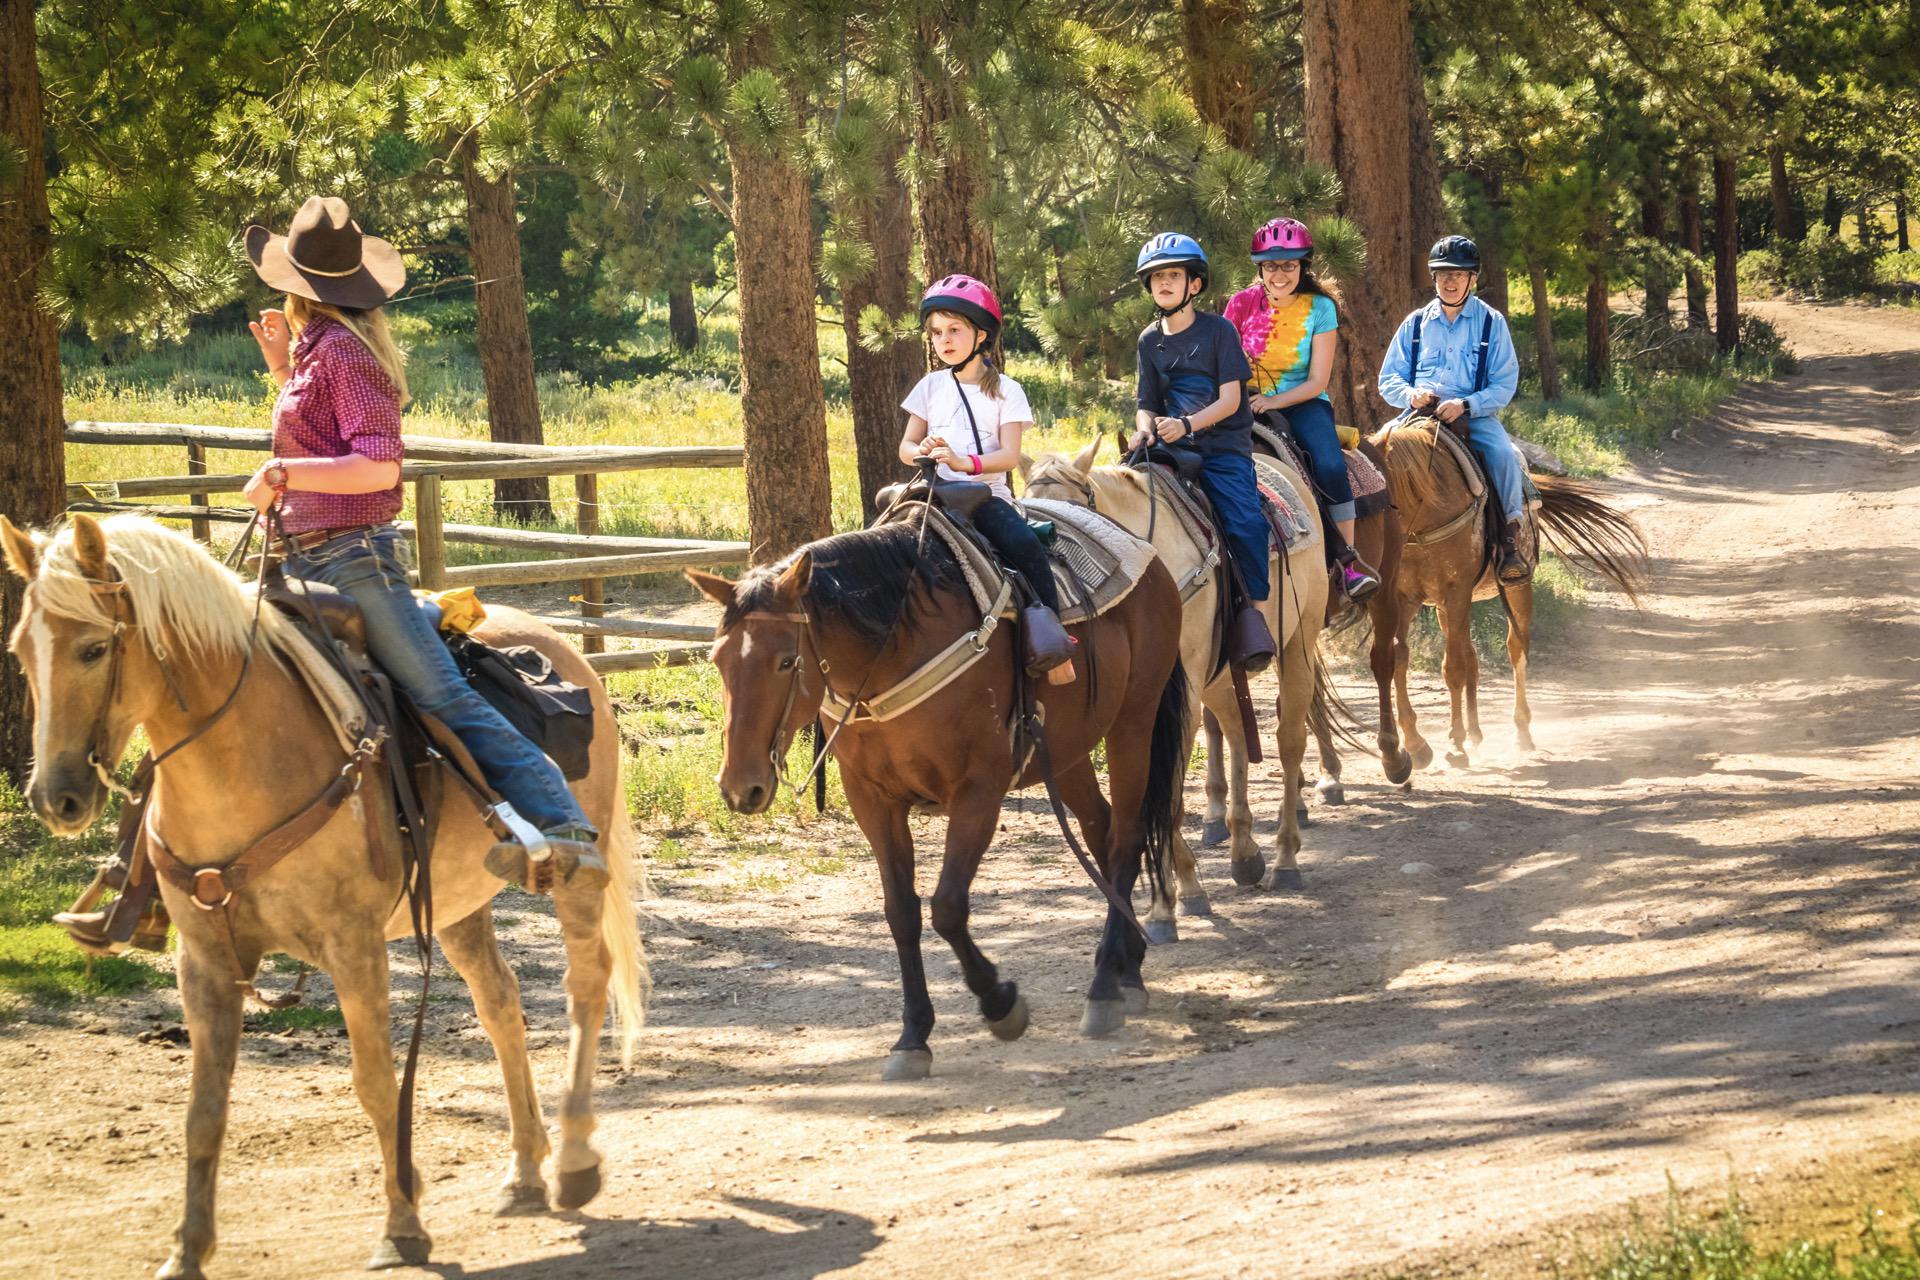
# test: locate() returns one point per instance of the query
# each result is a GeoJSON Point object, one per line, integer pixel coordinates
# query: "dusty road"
{"type": "Point", "coordinates": [1678, 939]}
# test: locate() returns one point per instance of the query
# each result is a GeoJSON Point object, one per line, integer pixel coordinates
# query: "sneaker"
{"type": "Point", "coordinates": [1357, 582]}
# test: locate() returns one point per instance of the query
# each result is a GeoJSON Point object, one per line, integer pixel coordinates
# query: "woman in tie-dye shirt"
{"type": "Point", "coordinates": [1288, 326]}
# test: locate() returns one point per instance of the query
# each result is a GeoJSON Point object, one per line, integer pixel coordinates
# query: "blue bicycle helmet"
{"type": "Point", "coordinates": [1171, 249]}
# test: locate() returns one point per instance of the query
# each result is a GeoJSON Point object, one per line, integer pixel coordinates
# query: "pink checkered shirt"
{"type": "Point", "coordinates": [337, 402]}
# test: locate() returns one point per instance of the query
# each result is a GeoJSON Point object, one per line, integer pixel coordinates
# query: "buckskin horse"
{"type": "Point", "coordinates": [855, 620]}
{"type": "Point", "coordinates": [1294, 611]}
{"type": "Point", "coordinates": [129, 624]}
{"type": "Point", "coordinates": [1446, 563]}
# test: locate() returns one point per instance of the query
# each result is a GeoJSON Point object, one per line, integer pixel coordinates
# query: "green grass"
{"type": "Point", "coordinates": [299, 1018]}
{"type": "Point", "coordinates": [1723, 1247]}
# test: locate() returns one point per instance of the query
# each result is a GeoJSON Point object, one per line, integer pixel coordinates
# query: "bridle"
{"type": "Point", "coordinates": [776, 755]}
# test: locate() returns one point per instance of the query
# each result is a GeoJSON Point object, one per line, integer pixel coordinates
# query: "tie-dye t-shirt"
{"type": "Point", "coordinates": [1278, 340]}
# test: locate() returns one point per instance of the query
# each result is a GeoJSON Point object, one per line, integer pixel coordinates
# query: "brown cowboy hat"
{"type": "Point", "coordinates": [325, 257]}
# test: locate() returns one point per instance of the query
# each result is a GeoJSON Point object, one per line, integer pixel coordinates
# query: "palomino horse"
{"type": "Point", "coordinates": [1294, 610]}
{"type": "Point", "coordinates": [854, 617]}
{"type": "Point", "coordinates": [129, 624]}
{"type": "Point", "coordinates": [1446, 564]}
{"type": "Point", "coordinates": [1378, 539]}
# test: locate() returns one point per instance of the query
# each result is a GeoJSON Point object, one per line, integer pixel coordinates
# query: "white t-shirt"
{"type": "Point", "coordinates": [936, 398]}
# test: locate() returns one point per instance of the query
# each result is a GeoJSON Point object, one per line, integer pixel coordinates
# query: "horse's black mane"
{"type": "Point", "coordinates": [860, 579]}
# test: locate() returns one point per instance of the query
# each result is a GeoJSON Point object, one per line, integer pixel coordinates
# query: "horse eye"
{"type": "Point", "coordinates": [789, 662]}
{"type": "Point", "coordinates": [94, 652]}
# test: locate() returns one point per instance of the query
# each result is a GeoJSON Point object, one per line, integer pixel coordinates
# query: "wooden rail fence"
{"type": "Point", "coordinates": [588, 557]}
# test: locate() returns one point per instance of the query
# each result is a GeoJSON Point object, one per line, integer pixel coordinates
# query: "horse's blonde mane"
{"type": "Point", "coordinates": [1411, 480]}
{"type": "Point", "coordinates": [1053, 466]}
{"type": "Point", "coordinates": [184, 600]}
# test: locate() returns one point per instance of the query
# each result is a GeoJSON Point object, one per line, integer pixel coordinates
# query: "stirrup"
{"type": "Point", "coordinates": [1358, 582]}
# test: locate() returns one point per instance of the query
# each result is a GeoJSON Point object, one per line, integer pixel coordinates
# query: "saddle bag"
{"type": "Point", "coordinates": [521, 684]}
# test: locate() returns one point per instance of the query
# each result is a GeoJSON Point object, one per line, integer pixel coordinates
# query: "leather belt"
{"type": "Point", "coordinates": [312, 538]}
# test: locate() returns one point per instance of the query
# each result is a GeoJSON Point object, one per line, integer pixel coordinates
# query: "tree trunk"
{"type": "Point", "coordinates": [1495, 290]}
{"type": "Point", "coordinates": [1786, 222]}
{"type": "Point", "coordinates": [879, 381]}
{"type": "Point", "coordinates": [952, 239]}
{"type": "Point", "coordinates": [1726, 253]}
{"type": "Point", "coordinates": [1832, 209]}
{"type": "Point", "coordinates": [782, 401]}
{"type": "Point", "coordinates": [33, 484]}
{"type": "Point", "coordinates": [1429, 209]}
{"type": "Point", "coordinates": [506, 345]}
{"type": "Point", "coordinates": [683, 319]}
{"type": "Point", "coordinates": [1863, 224]}
{"type": "Point", "coordinates": [1693, 238]}
{"type": "Point", "coordinates": [1599, 317]}
{"type": "Point", "coordinates": [1368, 148]}
{"type": "Point", "coordinates": [1653, 225]}
{"type": "Point", "coordinates": [1900, 222]}
{"type": "Point", "coordinates": [1220, 65]}
{"type": "Point", "coordinates": [1543, 331]}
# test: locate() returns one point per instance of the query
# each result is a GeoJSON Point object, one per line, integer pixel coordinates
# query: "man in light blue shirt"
{"type": "Point", "coordinates": [1455, 356]}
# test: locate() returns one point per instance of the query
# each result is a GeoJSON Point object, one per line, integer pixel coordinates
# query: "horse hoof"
{"type": "Point", "coordinates": [1457, 759]}
{"type": "Point", "coordinates": [400, 1251]}
{"type": "Point", "coordinates": [1422, 756]}
{"type": "Point", "coordinates": [178, 1268]}
{"type": "Point", "coordinates": [1401, 769]}
{"type": "Point", "coordinates": [1302, 818]}
{"type": "Point", "coordinates": [1524, 741]}
{"type": "Point", "coordinates": [521, 1202]}
{"type": "Point", "coordinates": [1286, 880]}
{"type": "Point", "coordinates": [908, 1064]}
{"type": "Point", "coordinates": [1214, 833]}
{"type": "Point", "coordinates": [1249, 870]}
{"type": "Point", "coordinates": [1103, 1018]}
{"type": "Point", "coordinates": [1134, 1000]}
{"type": "Point", "coordinates": [576, 1187]}
{"type": "Point", "coordinates": [1161, 932]}
{"type": "Point", "coordinates": [1010, 1027]}
{"type": "Point", "coordinates": [1194, 904]}
{"type": "Point", "coordinates": [1331, 793]}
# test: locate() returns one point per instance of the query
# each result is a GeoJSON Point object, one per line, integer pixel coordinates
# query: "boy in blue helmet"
{"type": "Point", "coordinates": [1455, 356]}
{"type": "Point", "coordinates": [1193, 375]}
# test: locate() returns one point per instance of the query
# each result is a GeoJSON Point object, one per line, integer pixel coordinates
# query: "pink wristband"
{"type": "Point", "coordinates": [976, 462]}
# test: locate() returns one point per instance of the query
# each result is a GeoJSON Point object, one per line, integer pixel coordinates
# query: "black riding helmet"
{"type": "Point", "coordinates": [1456, 252]}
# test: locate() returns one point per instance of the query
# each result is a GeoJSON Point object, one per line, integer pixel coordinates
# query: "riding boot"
{"type": "Point", "coordinates": [1513, 568]}
{"type": "Point", "coordinates": [1048, 644]}
{"type": "Point", "coordinates": [1250, 642]}
{"type": "Point", "coordinates": [572, 857]}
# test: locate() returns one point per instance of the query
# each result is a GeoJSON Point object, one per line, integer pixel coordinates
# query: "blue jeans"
{"type": "Point", "coordinates": [1311, 424]}
{"type": "Point", "coordinates": [1228, 481]}
{"type": "Point", "coordinates": [1494, 448]}
{"type": "Point", "coordinates": [403, 641]}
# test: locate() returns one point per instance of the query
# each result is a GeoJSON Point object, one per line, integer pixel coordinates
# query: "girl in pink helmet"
{"type": "Point", "coordinates": [1289, 325]}
{"type": "Point", "coordinates": [968, 417]}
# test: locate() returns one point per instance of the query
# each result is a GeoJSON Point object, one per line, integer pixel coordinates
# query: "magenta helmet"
{"type": "Point", "coordinates": [964, 296]}
{"type": "Point", "coordinates": [1281, 239]}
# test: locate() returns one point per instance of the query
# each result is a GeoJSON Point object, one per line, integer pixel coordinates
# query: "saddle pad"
{"type": "Point", "coordinates": [338, 701]}
{"type": "Point", "coordinates": [1365, 478]}
{"type": "Point", "coordinates": [1296, 530]}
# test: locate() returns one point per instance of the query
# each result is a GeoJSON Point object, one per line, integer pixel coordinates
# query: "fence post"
{"type": "Point", "coordinates": [593, 594]}
{"type": "Point", "coordinates": [430, 540]}
{"type": "Point", "coordinates": [197, 466]}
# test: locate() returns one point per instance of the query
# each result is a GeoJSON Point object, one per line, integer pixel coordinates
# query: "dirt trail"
{"type": "Point", "coordinates": [1680, 935]}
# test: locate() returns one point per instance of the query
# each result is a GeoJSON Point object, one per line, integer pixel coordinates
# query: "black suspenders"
{"type": "Point", "coordinates": [1486, 340]}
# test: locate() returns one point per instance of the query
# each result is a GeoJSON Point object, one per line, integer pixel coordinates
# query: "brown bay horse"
{"type": "Point", "coordinates": [127, 624]}
{"type": "Point", "coordinates": [1447, 563]}
{"type": "Point", "coordinates": [856, 614]}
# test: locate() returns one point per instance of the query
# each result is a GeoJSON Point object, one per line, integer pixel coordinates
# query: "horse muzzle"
{"type": "Point", "coordinates": [68, 798]}
{"type": "Point", "coordinates": [751, 798]}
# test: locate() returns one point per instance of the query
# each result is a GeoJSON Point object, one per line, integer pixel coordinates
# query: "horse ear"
{"type": "Point", "coordinates": [793, 580]}
{"type": "Point", "coordinates": [90, 547]}
{"type": "Point", "coordinates": [22, 556]}
{"type": "Point", "coordinates": [712, 586]}
{"type": "Point", "coordinates": [1026, 466]}
{"type": "Point", "coordinates": [1083, 461]}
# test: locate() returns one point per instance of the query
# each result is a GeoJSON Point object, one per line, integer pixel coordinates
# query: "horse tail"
{"type": "Point", "coordinates": [1166, 773]}
{"type": "Point", "coordinates": [628, 984]}
{"type": "Point", "coordinates": [1583, 528]}
{"type": "Point", "coordinates": [1330, 716]}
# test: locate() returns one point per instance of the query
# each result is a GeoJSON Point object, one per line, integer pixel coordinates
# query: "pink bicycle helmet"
{"type": "Point", "coordinates": [963, 295]}
{"type": "Point", "coordinates": [1282, 239]}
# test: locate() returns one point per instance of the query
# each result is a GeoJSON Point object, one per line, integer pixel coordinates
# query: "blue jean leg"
{"type": "Point", "coordinates": [1496, 453]}
{"type": "Point", "coordinates": [1228, 480]}
{"type": "Point", "coordinates": [404, 643]}
{"type": "Point", "coordinates": [1311, 425]}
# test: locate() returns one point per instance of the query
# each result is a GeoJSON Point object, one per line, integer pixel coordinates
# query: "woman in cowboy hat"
{"type": "Point", "coordinates": [335, 477]}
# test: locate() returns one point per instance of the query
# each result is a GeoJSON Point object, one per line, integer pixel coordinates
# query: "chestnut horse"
{"type": "Point", "coordinates": [130, 624]}
{"type": "Point", "coordinates": [1446, 563]}
{"type": "Point", "coordinates": [854, 615]}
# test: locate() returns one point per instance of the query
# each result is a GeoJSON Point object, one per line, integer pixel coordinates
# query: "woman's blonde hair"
{"type": "Point", "coordinates": [370, 326]}
{"type": "Point", "coordinates": [989, 371]}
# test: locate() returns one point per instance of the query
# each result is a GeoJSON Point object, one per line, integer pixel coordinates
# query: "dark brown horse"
{"type": "Point", "coordinates": [853, 617]}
